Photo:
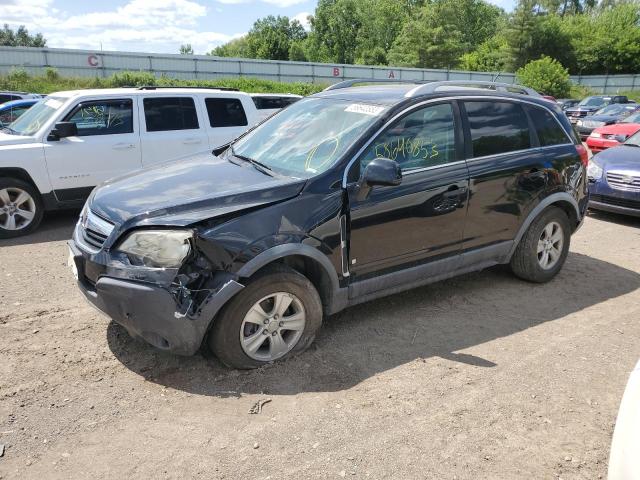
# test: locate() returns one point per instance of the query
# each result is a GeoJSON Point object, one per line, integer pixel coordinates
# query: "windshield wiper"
{"type": "Point", "coordinates": [261, 167]}
{"type": "Point", "coordinates": [8, 130]}
{"type": "Point", "coordinates": [631, 144]}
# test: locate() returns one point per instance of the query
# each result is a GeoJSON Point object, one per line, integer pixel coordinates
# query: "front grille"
{"type": "Point", "coordinates": [620, 181]}
{"type": "Point", "coordinates": [94, 230]}
{"type": "Point", "coordinates": [618, 202]}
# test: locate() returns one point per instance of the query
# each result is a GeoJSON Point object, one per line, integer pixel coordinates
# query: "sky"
{"type": "Point", "coordinates": [157, 26]}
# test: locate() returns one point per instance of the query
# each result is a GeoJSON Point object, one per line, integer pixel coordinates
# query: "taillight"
{"type": "Point", "coordinates": [584, 154]}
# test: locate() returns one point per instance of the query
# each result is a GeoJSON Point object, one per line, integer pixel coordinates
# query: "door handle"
{"type": "Point", "coordinates": [191, 141]}
{"type": "Point", "coordinates": [123, 146]}
{"type": "Point", "coordinates": [454, 191]}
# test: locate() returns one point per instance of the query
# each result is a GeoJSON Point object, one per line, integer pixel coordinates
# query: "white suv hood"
{"type": "Point", "coordinates": [8, 139]}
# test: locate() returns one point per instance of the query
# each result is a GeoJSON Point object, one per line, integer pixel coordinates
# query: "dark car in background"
{"type": "Point", "coordinates": [614, 178]}
{"type": "Point", "coordinates": [345, 196]}
{"type": "Point", "coordinates": [10, 111]}
{"type": "Point", "coordinates": [592, 104]}
{"type": "Point", "coordinates": [567, 102]}
{"type": "Point", "coordinates": [8, 96]}
{"type": "Point", "coordinates": [608, 115]}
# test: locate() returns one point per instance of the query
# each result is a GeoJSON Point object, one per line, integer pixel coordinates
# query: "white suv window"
{"type": "Point", "coordinates": [163, 114]}
{"type": "Point", "coordinates": [103, 117]}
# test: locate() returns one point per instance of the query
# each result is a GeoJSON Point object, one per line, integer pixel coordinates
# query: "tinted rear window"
{"type": "Point", "coordinates": [225, 112]}
{"type": "Point", "coordinates": [547, 127]}
{"type": "Point", "coordinates": [170, 113]}
{"type": "Point", "coordinates": [8, 98]}
{"type": "Point", "coordinates": [497, 127]}
{"type": "Point", "coordinates": [269, 103]}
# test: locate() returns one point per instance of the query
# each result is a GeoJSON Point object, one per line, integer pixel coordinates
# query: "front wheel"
{"type": "Point", "coordinates": [21, 209]}
{"type": "Point", "coordinates": [544, 247]}
{"type": "Point", "coordinates": [275, 316]}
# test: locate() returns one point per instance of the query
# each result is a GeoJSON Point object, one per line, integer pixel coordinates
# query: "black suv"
{"type": "Point", "coordinates": [344, 196]}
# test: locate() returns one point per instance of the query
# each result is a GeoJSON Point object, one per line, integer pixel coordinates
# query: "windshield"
{"type": "Point", "coordinates": [633, 140]}
{"type": "Point", "coordinates": [307, 137]}
{"type": "Point", "coordinates": [615, 109]}
{"type": "Point", "coordinates": [634, 118]}
{"type": "Point", "coordinates": [593, 102]}
{"type": "Point", "coordinates": [31, 121]}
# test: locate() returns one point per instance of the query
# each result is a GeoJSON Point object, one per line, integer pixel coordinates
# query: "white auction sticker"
{"type": "Point", "coordinates": [364, 108]}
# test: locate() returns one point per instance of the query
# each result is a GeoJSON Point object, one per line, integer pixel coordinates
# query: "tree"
{"type": "Point", "coordinates": [334, 31]}
{"type": "Point", "coordinates": [237, 48]}
{"type": "Point", "coordinates": [186, 49]}
{"type": "Point", "coordinates": [491, 55]}
{"type": "Point", "coordinates": [547, 76]}
{"type": "Point", "coordinates": [519, 33]}
{"type": "Point", "coordinates": [270, 38]}
{"type": "Point", "coordinates": [20, 38]}
{"type": "Point", "coordinates": [443, 31]}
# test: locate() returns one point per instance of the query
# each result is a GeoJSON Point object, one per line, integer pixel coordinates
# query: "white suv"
{"type": "Point", "coordinates": [63, 146]}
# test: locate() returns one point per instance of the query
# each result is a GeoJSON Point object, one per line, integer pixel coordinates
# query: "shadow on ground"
{"type": "Point", "coordinates": [626, 220]}
{"type": "Point", "coordinates": [55, 226]}
{"type": "Point", "coordinates": [438, 320]}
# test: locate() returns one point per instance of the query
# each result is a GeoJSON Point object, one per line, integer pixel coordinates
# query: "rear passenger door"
{"type": "Point", "coordinates": [510, 166]}
{"type": "Point", "coordinates": [226, 119]}
{"type": "Point", "coordinates": [172, 128]}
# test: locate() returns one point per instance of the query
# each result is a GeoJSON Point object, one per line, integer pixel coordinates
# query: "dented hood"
{"type": "Point", "coordinates": [187, 191]}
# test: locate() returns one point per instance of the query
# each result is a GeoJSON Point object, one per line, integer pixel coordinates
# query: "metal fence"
{"type": "Point", "coordinates": [89, 63]}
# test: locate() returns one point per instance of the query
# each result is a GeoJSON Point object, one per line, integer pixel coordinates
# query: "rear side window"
{"type": "Point", "coordinates": [547, 127]}
{"type": "Point", "coordinates": [225, 112]}
{"type": "Point", "coordinates": [497, 127]}
{"type": "Point", "coordinates": [103, 117]}
{"type": "Point", "coordinates": [170, 113]}
{"type": "Point", "coordinates": [271, 103]}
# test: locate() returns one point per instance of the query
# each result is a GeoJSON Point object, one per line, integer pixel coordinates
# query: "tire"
{"type": "Point", "coordinates": [12, 223]}
{"type": "Point", "coordinates": [241, 326]}
{"type": "Point", "coordinates": [527, 262]}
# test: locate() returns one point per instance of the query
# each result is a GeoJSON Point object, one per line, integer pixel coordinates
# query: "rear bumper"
{"type": "Point", "coordinates": [150, 311]}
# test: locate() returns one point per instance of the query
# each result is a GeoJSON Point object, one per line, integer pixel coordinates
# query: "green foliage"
{"type": "Point", "coordinates": [547, 76]}
{"type": "Point", "coordinates": [20, 80]}
{"type": "Point", "coordinates": [236, 48]}
{"type": "Point", "coordinates": [20, 37]}
{"type": "Point", "coordinates": [491, 55]}
{"type": "Point", "coordinates": [186, 49]}
{"type": "Point", "coordinates": [442, 32]}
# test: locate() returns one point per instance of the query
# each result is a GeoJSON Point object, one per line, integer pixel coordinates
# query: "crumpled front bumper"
{"type": "Point", "coordinates": [150, 311]}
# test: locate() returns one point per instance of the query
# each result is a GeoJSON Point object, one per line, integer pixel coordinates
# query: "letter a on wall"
{"type": "Point", "coordinates": [391, 74]}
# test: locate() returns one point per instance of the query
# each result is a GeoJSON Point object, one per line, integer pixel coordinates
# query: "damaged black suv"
{"type": "Point", "coordinates": [345, 196]}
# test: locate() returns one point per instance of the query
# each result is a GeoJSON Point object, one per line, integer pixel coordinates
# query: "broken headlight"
{"type": "Point", "coordinates": [157, 248]}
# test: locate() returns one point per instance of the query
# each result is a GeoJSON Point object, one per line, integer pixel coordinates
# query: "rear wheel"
{"type": "Point", "coordinates": [544, 247]}
{"type": "Point", "coordinates": [275, 316]}
{"type": "Point", "coordinates": [21, 208]}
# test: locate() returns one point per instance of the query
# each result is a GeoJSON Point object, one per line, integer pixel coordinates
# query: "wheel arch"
{"type": "Point", "coordinates": [20, 174]}
{"type": "Point", "coordinates": [306, 260]}
{"type": "Point", "coordinates": [562, 200]}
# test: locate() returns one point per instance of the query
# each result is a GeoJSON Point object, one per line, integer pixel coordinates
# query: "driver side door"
{"type": "Point", "coordinates": [423, 218]}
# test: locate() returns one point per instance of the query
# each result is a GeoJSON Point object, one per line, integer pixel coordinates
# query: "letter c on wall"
{"type": "Point", "coordinates": [93, 60]}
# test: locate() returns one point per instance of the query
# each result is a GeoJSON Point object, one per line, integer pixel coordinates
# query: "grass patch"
{"type": "Point", "coordinates": [52, 81]}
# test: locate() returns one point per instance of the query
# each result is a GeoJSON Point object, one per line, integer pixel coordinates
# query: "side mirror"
{"type": "Point", "coordinates": [620, 138]}
{"type": "Point", "coordinates": [382, 171]}
{"type": "Point", "coordinates": [63, 130]}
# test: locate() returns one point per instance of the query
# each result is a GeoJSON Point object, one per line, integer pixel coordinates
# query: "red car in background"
{"type": "Point", "coordinates": [613, 135]}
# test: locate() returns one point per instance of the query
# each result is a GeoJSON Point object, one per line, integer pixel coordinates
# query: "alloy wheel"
{"type": "Point", "coordinates": [17, 208]}
{"type": "Point", "coordinates": [550, 245]}
{"type": "Point", "coordinates": [272, 326]}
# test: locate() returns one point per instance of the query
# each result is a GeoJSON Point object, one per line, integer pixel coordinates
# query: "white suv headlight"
{"type": "Point", "coordinates": [594, 171]}
{"type": "Point", "coordinates": [157, 248]}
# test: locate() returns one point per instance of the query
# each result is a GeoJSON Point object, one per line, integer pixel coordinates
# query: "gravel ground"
{"type": "Point", "coordinates": [479, 377]}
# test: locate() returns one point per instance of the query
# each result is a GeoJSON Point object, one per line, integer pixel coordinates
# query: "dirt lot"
{"type": "Point", "coordinates": [480, 377]}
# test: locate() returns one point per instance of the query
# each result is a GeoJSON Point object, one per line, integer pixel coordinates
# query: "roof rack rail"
{"type": "Point", "coordinates": [154, 87]}
{"type": "Point", "coordinates": [355, 81]}
{"type": "Point", "coordinates": [432, 87]}
{"type": "Point", "coordinates": [424, 87]}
